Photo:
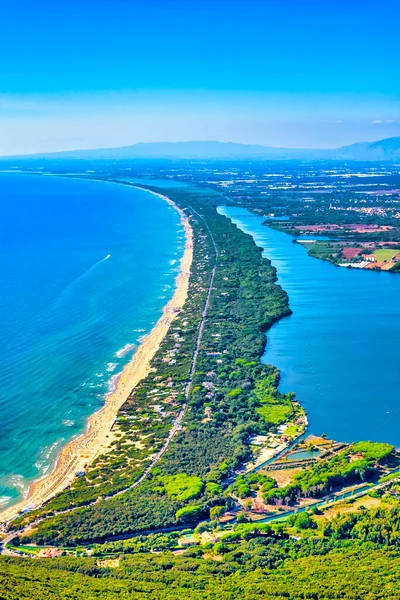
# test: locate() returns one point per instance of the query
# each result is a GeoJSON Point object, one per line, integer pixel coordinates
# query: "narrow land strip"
{"type": "Point", "coordinates": [177, 425]}
{"type": "Point", "coordinates": [83, 450]}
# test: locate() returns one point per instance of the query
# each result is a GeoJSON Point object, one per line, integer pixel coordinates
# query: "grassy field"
{"type": "Point", "coordinates": [283, 476]}
{"type": "Point", "coordinates": [24, 549]}
{"type": "Point", "coordinates": [275, 414]}
{"type": "Point", "coordinates": [292, 430]}
{"type": "Point", "coordinates": [365, 502]}
{"type": "Point", "coordinates": [385, 254]}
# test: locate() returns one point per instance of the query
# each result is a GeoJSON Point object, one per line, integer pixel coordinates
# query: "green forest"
{"type": "Point", "coordinates": [230, 398]}
{"type": "Point", "coordinates": [352, 557]}
{"type": "Point", "coordinates": [133, 533]}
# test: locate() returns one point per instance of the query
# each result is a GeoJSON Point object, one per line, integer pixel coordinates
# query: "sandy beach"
{"type": "Point", "coordinates": [80, 452]}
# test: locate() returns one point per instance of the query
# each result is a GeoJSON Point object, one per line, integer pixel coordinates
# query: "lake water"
{"type": "Point", "coordinates": [340, 350]}
{"type": "Point", "coordinates": [85, 270]}
{"type": "Point", "coordinates": [303, 454]}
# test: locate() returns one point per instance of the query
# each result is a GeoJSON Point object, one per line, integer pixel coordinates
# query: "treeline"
{"type": "Point", "coordinates": [360, 462]}
{"type": "Point", "coordinates": [264, 564]}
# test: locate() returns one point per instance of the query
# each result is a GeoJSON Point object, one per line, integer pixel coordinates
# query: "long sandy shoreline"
{"type": "Point", "coordinates": [81, 451]}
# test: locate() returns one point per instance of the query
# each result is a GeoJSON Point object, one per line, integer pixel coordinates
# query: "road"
{"type": "Point", "coordinates": [331, 499]}
{"type": "Point", "coordinates": [177, 425]}
{"type": "Point", "coordinates": [178, 421]}
{"type": "Point", "coordinates": [328, 500]}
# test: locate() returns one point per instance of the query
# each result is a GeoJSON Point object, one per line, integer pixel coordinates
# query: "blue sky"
{"type": "Point", "coordinates": [289, 73]}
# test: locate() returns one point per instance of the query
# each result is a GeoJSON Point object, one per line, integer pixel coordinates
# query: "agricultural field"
{"type": "Point", "coordinates": [386, 254]}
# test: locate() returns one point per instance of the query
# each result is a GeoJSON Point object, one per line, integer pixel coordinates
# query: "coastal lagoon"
{"type": "Point", "coordinates": [340, 349]}
{"type": "Point", "coordinates": [86, 268]}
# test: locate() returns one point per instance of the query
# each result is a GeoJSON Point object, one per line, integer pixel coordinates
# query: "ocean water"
{"type": "Point", "coordinates": [85, 270]}
{"type": "Point", "coordinates": [340, 349]}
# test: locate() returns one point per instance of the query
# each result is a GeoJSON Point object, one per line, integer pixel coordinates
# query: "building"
{"type": "Point", "coordinates": [208, 537]}
{"type": "Point", "coordinates": [187, 540]}
{"type": "Point", "coordinates": [369, 257]}
{"type": "Point", "coordinates": [50, 553]}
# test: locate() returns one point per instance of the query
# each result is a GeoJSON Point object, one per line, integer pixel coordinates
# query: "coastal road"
{"type": "Point", "coordinates": [178, 421]}
{"type": "Point", "coordinates": [324, 502]}
{"type": "Point", "coordinates": [3, 547]}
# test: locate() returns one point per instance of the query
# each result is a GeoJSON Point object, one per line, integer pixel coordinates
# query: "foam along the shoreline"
{"type": "Point", "coordinates": [81, 451]}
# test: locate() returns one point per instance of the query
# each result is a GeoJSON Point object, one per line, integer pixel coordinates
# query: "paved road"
{"type": "Point", "coordinates": [333, 498]}
{"type": "Point", "coordinates": [177, 425]}
{"type": "Point", "coordinates": [178, 421]}
{"type": "Point", "coordinates": [4, 550]}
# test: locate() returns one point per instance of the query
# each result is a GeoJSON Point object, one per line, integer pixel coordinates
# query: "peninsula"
{"type": "Point", "coordinates": [80, 452]}
{"type": "Point", "coordinates": [207, 456]}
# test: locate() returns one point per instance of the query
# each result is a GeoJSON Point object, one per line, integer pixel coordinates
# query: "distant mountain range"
{"type": "Point", "coordinates": [387, 149]}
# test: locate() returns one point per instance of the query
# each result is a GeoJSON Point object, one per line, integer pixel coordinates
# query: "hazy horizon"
{"type": "Point", "coordinates": [178, 142]}
{"type": "Point", "coordinates": [88, 75]}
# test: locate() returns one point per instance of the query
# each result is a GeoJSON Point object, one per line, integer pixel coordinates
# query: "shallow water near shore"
{"type": "Point", "coordinates": [340, 350]}
{"type": "Point", "coordinates": [86, 268]}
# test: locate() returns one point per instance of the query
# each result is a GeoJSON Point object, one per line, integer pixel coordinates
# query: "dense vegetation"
{"type": "Point", "coordinates": [233, 395]}
{"type": "Point", "coordinates": [244, 485]}
{"type": "Point", "coordinates": [353, 556]}
{"type": "Point", "coordinates": [355, 464]}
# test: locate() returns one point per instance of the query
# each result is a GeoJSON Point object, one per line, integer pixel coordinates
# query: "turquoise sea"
{"type": "Point", "coordinates": [85, 270]}
{"type": "Point", "coordinates": [340, 349]}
